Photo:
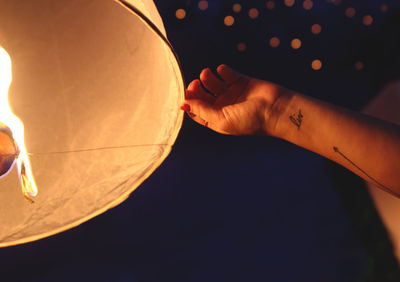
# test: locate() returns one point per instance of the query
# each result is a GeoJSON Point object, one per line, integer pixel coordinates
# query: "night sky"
{"type": "Point", "coordinates": [223, 208]}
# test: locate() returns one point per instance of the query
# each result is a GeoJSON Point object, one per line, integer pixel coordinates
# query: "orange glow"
{"type": "Point", "coordinates": [180, 14]}
{"type": "Point", "coordinates": [229, 20]}
{"type": "Point", "coordinates": [8, 150]}
{"type": "Point", "coordinates": [274, 42]}
{"type": "Point", "coordinates": [237, 8]}
{"type": "Point", "coordinates": [367, 20]}
{"type": "Point", "coordinates": [316, 65]}
{"type": "Point", "coordinates": [350, 12]}
{"type": "Point", "coordinates": [384, 8]}
{"type": "Point", "coordinates": [308, 4]}
{"type": "Point", "coordinates": [203, 5]}
{"type": "Point", "coordinates": [7, 117]}
{"type": "Point", "coordinates": [359, 65]}
{"type": "Point", "coordinates": [289, 3]}
{"type": "Point", "coordinates": [316, 29]}
{"type": "Point", "coordinates": [253, 13]}
{"type": "Point", "coordinates": [241, 47]}
{"type": "Point", "coordinates": [7, 147]}
{"type": "Point", "coordinates": [270, 5]}
{"type": "Point", "coordinates": [296, 43]}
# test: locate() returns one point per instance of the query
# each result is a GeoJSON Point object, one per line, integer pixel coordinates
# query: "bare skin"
{"type": "Point", "coordinates": [241, 105]}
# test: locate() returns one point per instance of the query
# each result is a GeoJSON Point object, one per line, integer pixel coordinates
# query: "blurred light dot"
{"type": "Point", "coordinates": [350, 12]}
{"type": "Point", "coordinates": [241, 47]}
{"type": "Point", "coordinates": [384, 8]}
{"type": "Point", "coordinates": [180, 14]}
{"type": "Point", "coordinates": [316, 29]}
{"type": "Point", "coordinates": [289, 3]}
{"type": "Point", "coordinates": [316, 65]}
{"type": "Point", "coordinates": [308, 4]}
{"type": "Point", "coordinates": [274, 42]}
{"type": "Point", "coordinates": [296, 43]}
{"type": "Point", "coordinates": [254, 13]}
{"type": "Point", "coordinates": [270, 5]}
{"type": "Point", "coordinates": [237, 8]}
{"type": "Point", "coordinates": [367, 20]}
{"type": "Point", "coordinates": [203, 5]}
{"type": "Point", "coordinates": [359, 65]}
{"type": "Point", "coordinates": [229, 20]}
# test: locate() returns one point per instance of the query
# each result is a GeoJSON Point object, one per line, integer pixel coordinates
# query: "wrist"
{"type": "Point", "coordinates": [277, 109]}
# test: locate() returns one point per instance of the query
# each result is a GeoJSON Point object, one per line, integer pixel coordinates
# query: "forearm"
{"type": "Point", "coordinates": [242, 105]}
{"type": "Point", "coordinates": [367, 146]}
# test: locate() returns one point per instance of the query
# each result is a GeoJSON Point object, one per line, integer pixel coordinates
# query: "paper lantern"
{"type": "Point", "coordinates": [97, 87]}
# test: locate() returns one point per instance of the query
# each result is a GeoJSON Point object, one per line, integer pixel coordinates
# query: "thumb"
{"type": "Point", "coordinates": [202, 112]}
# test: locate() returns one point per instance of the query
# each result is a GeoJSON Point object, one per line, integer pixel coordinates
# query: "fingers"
{"type": "Point", "coordinates": [228, 75]}
{"type": "Point", "coordinates": [201, 106]}
{"type": "Point", "coordinates": [212, 83]}
{"type": "Point", "coordinates": [196, 91]}
{"type": "Point", "coordinates": [197, 103]}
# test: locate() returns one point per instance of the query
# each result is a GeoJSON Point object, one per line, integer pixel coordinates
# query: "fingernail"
{"type": "Point", "coordinates": [185, 108]}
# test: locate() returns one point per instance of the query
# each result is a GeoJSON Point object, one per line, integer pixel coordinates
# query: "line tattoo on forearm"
{"type": "Point", "coordinates": [336, 149]}
{"type": "Point", "coordinates": [297, 120]}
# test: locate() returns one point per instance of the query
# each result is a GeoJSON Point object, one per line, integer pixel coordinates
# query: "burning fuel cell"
{"type": "Point", "coordinates": [8, 150]}
{"type": "Point", "coordinates": [12, 130]}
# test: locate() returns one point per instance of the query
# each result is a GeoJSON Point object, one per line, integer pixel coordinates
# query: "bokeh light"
{"type": "Point", "coordinates": [384, 8]}
{"type": "Point", "coordinates": [308, 4]}
{"type": "Point", "coordinates": [289, 3]}
{"type": "Point", "coordinates": [316, 64]}
{"type": "Point", "coordinates": [296, 43]}
{"type": "Point", "coordinates": [270, 5]}
{"type": "Point", "coordinates": [359, 65]}
{"type": "Point", "coordinates": [253, 13]}
{"type": "Point", "coordinates": [203, 5]}
{"type": "Point", "coordinates": [350, 12]}
{"type": "Point", "coordinates": [229, 20]}
{"type": "Point", "coordinates": [241, 46]}
{"type": "Point", "coordinates": [367, 20]}
{"type": "Point", "coordinates": [237, 8]}
{"type": "Point", "coordinates": [316, 29]}
{"type": "Point", "coordinates": [180, 14]}
{"type": "Point", "coordinates": [274, 42]}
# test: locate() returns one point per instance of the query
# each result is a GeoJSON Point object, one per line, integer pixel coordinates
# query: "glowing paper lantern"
{"type": "Point", "coordinates": [97, 87]}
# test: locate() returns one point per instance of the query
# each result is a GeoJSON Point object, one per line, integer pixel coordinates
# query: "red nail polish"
{"type": "Point", "coordinates": [185, 108]}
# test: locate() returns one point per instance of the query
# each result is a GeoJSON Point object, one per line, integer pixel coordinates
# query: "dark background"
{"type": "Point", "coordinates": [224, 208]}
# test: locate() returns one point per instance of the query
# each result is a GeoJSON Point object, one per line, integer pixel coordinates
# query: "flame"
{"type": "Point", "coordinates": [29, 188]}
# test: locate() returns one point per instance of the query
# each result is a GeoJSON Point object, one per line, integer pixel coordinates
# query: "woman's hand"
{"type": "Point", "coordinates": [238, 105]}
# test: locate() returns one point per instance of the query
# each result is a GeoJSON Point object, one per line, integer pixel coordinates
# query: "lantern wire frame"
{"type": "Point", "coordinates": [153, 27]}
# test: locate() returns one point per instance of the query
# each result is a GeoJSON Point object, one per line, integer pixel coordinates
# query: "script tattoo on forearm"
{"type": "Point", "coordinates": [297, 120]}
{"type": "Point", "coordinates": [336, 149]}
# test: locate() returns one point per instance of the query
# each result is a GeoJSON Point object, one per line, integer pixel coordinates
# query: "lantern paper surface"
{"type": "Point", "coordinates": [98, 91]}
